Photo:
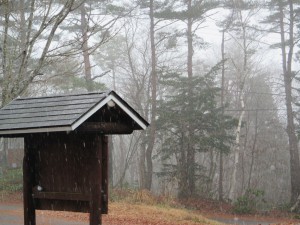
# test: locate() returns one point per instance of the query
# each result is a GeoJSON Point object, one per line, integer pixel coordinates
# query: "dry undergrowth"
{"type": "Point", "coordinates": [124, 213]}
{"type": "Point", "coordinates": [151, 214]}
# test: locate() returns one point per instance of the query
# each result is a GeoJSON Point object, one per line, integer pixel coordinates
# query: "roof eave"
{"type": "Point", "coordinates": [21, 132]}
{"type": "Point", "coordinates": [143, 124]}
{"type": "Point", "coordinates": [139, 117]}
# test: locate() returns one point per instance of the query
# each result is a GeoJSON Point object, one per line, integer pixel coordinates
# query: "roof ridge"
{"type": "Point", "coordinates": [65, 95]}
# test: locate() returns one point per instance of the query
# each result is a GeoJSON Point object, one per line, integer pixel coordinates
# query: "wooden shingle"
{"type": "Point", "coordinates": [61, 113]}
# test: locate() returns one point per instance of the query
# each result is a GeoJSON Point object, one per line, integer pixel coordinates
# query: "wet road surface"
{"type": "Point", "coordinates": [238, 221]}
{"type": "Point", "coordinates": [12, 214]}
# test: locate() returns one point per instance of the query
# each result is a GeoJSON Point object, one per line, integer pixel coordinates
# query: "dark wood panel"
{"type": "Point", "coordinates": [62, 205]}
{"type": "Point", "coordinates": [66, 168]}
{"type": "Point", "coordinates": [105, 128]}
{"type": "Point", "coordinates": [61, 196]}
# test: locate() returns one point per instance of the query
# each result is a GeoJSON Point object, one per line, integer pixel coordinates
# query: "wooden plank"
{"type": "Point", "coordinates": [95, 202]}
{"type": "Point", "coordinates": [61, 196]}
{"type": "Point", "coordinates": [62, 205]}
{"type": "Point", "coordinates": [105, 173]}
{"type": "Point", "coordinates": [105, 128]}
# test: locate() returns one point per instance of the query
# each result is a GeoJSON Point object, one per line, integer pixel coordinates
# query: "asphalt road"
{"type": "Point", "coordinates": [12, 214]}
{"type": "Point", "coordinates": [238, 221]}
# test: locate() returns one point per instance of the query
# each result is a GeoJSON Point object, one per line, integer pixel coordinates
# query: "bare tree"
{"type": "Point", "coordinates": [23, 55]}
{"type": "Point", "coordinates": [242, 14]}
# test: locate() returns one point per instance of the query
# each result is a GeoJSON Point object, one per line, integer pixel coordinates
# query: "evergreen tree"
{"type": "Point", "coordinates": [283, 20]}
{"type": "Point", "coordinates": [192, 13]}
{"type": "Point", "coordinates": [202, 126]}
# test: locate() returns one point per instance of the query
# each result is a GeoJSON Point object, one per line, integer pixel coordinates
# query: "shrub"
{"type": "Point", "coordinates": [248, 203]}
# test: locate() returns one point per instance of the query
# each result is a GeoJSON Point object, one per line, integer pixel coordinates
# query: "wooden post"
{"type": "Point", "coordinates": [28, 175]}
{"type": "Point", "coordinates": [95, 202]}
{"type": "Point", "coordinates": [105, 173]}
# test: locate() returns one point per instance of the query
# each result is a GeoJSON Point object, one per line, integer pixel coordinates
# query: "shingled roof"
{"type": "Point", "coordinates": [59, 113]}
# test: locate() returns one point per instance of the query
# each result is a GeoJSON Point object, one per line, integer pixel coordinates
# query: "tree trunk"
{"type": "Point", "coordinates": [110, 161]}
{"type": "Point", "coordinates": [232, 193]}
{"type": "Point", "coordinates": [151, 141]}
{"type": "Point", "coordinates": [85, 49]}
{"type": "Point", "coordinates": [252, 154]}
{"type": "Point", "coordinates": [183, 190]}
{"type": "Point", "coordinates": [241, 84]}
{"type": "Point", "coordinates": [253, 151]}
{"type": "Point", "coordinates": [221, 169]}
{"type": "Point", "coordinates": [142, 167]}
{"type": "Point", "coordinates": [287, 59]}
{"type": "Point", "coordinates": [122, 163]}
{"type": "Point", "coordinates": [190, 148]}
{"type": "Point", "coordinates": [24, 62]}
{"type": "Point", "coordinates": [4, 55]}
{"type": "Point", "coordinates": [3, 157]}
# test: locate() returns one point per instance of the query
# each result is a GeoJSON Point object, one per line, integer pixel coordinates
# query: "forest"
{"type": "Point", "coordinates": [218, 81]}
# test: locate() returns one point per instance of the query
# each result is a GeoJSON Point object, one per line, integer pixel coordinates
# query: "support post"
{"type": "Point", "coordinates": [105, 173]}
{"type": "Point", "coordinates": [28, 175]}
{"type": "Point", "coordinates": [95, 202]}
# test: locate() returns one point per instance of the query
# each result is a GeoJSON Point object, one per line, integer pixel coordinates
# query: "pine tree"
{"type": "Point", "coordinates": [283, 20]}
{"type": "Point", "coordinates": [192, 13]}
{"type": "Point", "coordinates": [208, 129]}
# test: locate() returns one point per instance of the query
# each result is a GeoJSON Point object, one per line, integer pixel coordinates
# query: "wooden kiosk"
{"type": "Point", "coordinates": [65, 163]}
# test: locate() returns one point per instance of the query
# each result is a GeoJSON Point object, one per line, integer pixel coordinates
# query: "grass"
{"type": "Point", "coordinates": [128, 213]}
{"type": "Point", "coordinates": [11, 180]}
{"type": "Point", "coordinates": [141, 207]}
{"type": "Point", "coordinates": [141, 213]}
